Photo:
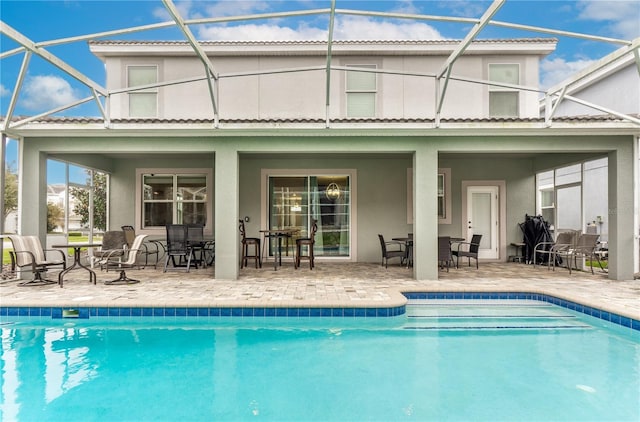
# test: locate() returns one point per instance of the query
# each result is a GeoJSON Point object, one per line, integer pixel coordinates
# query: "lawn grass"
{"type": "Point", "coordinates": [74, 239]}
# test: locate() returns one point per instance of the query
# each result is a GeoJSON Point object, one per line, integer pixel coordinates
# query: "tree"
{"type": "Point", "coordinates": [55, 214]}
{"type": "Point", "coordinates": [10, 190]}
{"type": "Point", "coordinates": [81, 195]}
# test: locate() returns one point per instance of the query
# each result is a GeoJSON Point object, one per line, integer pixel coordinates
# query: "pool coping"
{"type": "Point", "coordinates": [312, 310]}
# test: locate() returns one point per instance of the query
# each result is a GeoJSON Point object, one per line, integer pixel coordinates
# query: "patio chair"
{"type": "Point", "coordinates": [391, 249]}
{"type": "Point", "coordinates": [444, 252]}
{"type": "Point", "coordinates": [28, 252]}
{"type": "Point", "coordinates": [309, 242]}
{"type": "Point", "coordinates": [468, 250]}
{"type": "Point", "coordinates": [585, 247]}
{"type": "Point", "coordinates": [178, 247]}
{"type": "Point", "coordinates": [112, 240]}
{"type": "Point", "coordinates": [203, 251]}
{"type": "Point", "coordinates": [146, 249]}
{"type": "Point", "coordinates": [246, 242]}
{"type": "Point", "coordinates": [553, 251]}
{"type": "Point", "coordinates": [124, 259]}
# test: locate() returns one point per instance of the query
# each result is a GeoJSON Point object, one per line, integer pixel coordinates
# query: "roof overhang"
{"type": "Point", "coordinates": [588, 126]}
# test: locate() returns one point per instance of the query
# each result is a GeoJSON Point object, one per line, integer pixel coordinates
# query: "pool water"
{"type": "Point", "coordinates": [444, 360]}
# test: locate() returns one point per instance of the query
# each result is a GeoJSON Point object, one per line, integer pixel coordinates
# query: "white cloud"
{"type": "Point", "coordinates": [361, 28]}
{"type": "Point", "coordinates": [345, 28]}
{"type": "Point", "coordinates": [46, 92]}
{"type": "Point", "coordinates": [557, 70]}
{"type": "Point", "coordinates": [622, 17]}
{"type": "Point", "coordinates": [262, 32]}
{"type": "Point", "coordinates": [4, 91]}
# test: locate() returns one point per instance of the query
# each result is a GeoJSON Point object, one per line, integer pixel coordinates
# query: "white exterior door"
{"type": "Point", "coordinates": [482, 218]}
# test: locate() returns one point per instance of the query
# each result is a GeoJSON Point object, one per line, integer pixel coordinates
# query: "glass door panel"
{"type": "Point", "coordinates": [295, 201]}
{"type": "Point", "coordinates": [288, 208]}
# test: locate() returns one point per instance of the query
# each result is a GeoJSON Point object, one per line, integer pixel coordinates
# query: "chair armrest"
{"type": "Point", "coordinates": [394, 243]}
{"type": "Point", "coordinates": [535, 248]}
{"type": "Point", "coordinates": [64, 256]}
{"type": "Point", "coordinates": [460, 243]}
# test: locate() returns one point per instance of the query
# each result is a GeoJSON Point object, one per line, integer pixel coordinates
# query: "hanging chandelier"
{"type": "Point", "coordinates": [333, 191]}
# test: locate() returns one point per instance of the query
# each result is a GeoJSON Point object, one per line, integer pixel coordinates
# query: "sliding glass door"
{"type": "Point", "coordinates": [295, 201]}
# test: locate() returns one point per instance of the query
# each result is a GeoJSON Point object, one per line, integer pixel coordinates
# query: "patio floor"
{"type": "Point", "coordinates": [328, 285]}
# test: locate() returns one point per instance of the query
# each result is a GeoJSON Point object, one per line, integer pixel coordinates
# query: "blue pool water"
{"type": "Point", "coordinates": [443, 360]}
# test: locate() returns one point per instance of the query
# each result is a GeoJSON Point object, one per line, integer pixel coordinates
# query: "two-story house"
{"type": "Point", "coordinates": [367, 137]}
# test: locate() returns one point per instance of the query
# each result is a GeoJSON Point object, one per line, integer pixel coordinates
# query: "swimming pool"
{"type": "Point", "coordinates": [443, 360]}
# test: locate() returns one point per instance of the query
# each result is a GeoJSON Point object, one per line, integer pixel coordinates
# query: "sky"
{"type": "Point", "coordinates": [46, 88]}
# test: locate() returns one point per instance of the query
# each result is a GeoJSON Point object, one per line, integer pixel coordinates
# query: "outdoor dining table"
{"type": "Point", "coordinates": [408, 243]}
{"type": "Point", "coordinates": [77, 263]}
{"type": "Point", "coordinates": [278, 234]}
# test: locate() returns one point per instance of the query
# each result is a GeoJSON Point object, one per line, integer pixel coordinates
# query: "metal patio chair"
{"type": "Point", "coordinates": [28, 254]}
{"type": "Point", "coordinates": [124, 259]}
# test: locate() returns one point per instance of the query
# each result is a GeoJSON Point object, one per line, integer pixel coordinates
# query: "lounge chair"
{"type": "Point", "coordinates": [28, 252]}
{"type": "Point", "coordinates": [124, 259]}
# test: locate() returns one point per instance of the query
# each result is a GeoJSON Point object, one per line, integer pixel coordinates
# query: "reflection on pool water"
{"type": "Point", "coordinates": [443, 360]}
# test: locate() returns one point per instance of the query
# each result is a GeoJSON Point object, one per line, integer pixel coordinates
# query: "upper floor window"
{"type": "Point", "coordinates": [503, 102]}
{"type": "Point", "coordinates": [361, 92]}
{"type": "Point", "coordinates": [142, 103]}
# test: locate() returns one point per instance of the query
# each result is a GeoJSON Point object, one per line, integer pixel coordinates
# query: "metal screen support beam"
{"type": "Point", "coordinates": [440, 92]}
{"type": "Point", "coordinates": [107, 122]}
{"type": "Point", "coordinates": [332, 17]}
{"type": "Point", "coordinates": [446, 68]}
{"type": "Point", "coordinates": [462, 46]}
{"type": "Point", "coordinates": [604, 109]}
{"type": "Point", "coordinates": [60, 64]}
{"type": "Point", "coordinates": [3, 180]}
{"type": "Point", "coordinates": [550, 109]}
{"type": "Point", "coordinates": [18, 88]}
{"type": "Point", "coordinates": [197, 48]}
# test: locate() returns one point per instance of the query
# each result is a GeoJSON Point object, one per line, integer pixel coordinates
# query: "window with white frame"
{"type": "Point", "coordinates": [443, 196]}
{"type": "Point", "coordinates": [361, 91]}
{"type": "Point", "coordinates": [503, 101]}
{"type": "Point", "coordinates": [174, 196]}
{"type": "Point", "coordinates": [142, 103]}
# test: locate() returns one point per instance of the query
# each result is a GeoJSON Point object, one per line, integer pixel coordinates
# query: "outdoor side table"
{"type": "Point", "coordinates": [76, 260]}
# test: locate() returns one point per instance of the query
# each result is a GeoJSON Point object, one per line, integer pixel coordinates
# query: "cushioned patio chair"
{"type": "Point", "coordinates": [146, 249]}
{"type": "Point", "coordinates": [124, 259]}
{"type": "Point", "coordinates": [309, 242]}
{"type": "Point", "coordinates": [586, 246]}
{"type": "Point", "coordinates": [468, 250]}
{"type": "Point", "coordinates": [391, 249]}
{"type": "Point", "coordinates": [552, 252]}
{"type": "Point", "coordinates": [28, 253]}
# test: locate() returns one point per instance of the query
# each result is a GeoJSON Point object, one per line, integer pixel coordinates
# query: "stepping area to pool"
{"type": "Point", "coordinates": [328, 285]}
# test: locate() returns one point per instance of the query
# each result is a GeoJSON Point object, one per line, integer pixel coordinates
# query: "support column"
{"type": "Point", "coordinates": [425, 211]}
{"type": "Point", "coordinates": [227, 175]}
{"type": "Point", "coordinates": [621, 214]}
{"type": "Point", "coordinates": [32, 191]}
